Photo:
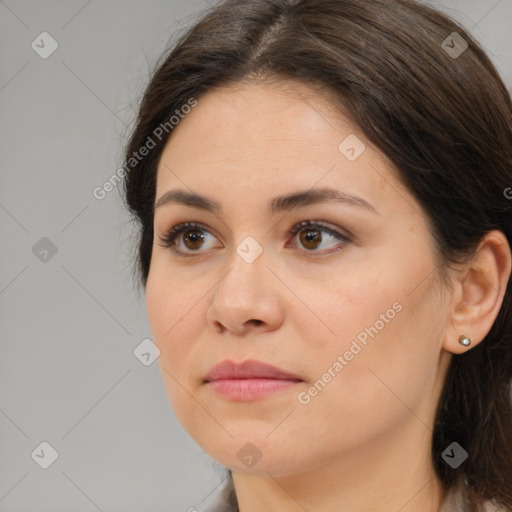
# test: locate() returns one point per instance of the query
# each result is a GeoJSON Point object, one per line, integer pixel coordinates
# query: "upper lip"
{"type": "Point", "coordinates": [249, 369]}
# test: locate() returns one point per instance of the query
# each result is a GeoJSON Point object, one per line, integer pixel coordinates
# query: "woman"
{"type": "Point", "coordinates": [323, 192]}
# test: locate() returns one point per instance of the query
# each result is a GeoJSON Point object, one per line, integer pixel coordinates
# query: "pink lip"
{"type": "Point", "coordinates": [248, 380]}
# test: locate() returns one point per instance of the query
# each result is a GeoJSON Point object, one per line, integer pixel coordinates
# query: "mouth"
{"type": "Point", "coordinates": [245, 390]}
{"type": "Point", "coordinates": [249, 380]}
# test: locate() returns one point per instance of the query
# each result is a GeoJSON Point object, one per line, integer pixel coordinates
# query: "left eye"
{"type": "Point", "coordinates": [310, 236]}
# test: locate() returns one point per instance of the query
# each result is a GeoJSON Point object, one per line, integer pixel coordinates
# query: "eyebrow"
{"type": "Point", "coordinates": [277, 204]}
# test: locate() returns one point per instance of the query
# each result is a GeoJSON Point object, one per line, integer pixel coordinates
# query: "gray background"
{"type": "Point", "coordinates": [69, 325]}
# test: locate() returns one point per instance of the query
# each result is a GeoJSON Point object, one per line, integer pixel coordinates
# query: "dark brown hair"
{"type": "Point", "coordinates": [445, 122]}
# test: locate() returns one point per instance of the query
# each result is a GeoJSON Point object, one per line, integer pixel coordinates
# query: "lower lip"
{"type": "Point", "coordinates": [249, 389]}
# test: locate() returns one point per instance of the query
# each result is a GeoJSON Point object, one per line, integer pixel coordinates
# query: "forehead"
{"type": "Point", "coordinates": [270, 139]}
{"type": "Point", "coordinates": [252, 114]}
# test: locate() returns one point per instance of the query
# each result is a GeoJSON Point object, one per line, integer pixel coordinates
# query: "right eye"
{"type": "Point", "coordinates": [193, 240]}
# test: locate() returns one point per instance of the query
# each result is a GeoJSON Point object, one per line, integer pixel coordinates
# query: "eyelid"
{"type": "Point", "coordinates": [168, 237]}
{"type": "Point", "coordinates": [325, 227]}
{"type": "Point", "coordinates": [178, 229]}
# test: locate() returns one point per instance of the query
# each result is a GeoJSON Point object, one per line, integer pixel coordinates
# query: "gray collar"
{"type": "Point", "coordinates": [224, 500]}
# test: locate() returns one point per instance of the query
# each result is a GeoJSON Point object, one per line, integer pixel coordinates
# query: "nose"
{"type": "Point", "coordinates": [247, 299]}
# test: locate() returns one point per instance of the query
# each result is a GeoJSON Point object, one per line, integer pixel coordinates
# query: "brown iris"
{"type": "Point", "coordinates": [308, 236]}
{"type": "Point", "coordinates": [195, 238]}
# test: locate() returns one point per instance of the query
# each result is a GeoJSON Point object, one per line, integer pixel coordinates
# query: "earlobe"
{"type": "Point", "coordinates": [480, 293]}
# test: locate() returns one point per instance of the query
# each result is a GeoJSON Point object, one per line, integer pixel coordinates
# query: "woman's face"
{"type": "Point", "coordinates": [356, 314]}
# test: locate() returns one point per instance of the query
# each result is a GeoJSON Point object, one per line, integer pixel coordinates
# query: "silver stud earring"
{"type": "Point", "coordinates": [465, 340]}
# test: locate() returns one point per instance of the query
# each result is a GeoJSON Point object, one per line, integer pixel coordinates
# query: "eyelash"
{"type": "Point", "coordinates": [168, 238]}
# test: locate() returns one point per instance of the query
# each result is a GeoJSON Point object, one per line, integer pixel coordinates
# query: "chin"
{"type": "Point", "coordinates": [253, 454]}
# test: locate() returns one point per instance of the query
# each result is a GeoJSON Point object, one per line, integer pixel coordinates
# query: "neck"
{"type": "Point", "coordinates": [386, 475]}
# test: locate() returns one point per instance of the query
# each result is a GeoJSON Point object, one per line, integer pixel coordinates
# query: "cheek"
{"type": "Point", "coordinates": [355, 306]}
{"type": "Point", "coordinates": [376, 385]}
{"type": "Point", "coordinates": [378, 338]}
{"type": "Point", "coordinates": [174, 320]}
{"type": "Point", "coordinates": [159, 307]}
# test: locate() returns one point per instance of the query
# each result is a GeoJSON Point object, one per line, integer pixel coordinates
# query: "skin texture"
{"type": "Point", "coordinates": [362, 443]}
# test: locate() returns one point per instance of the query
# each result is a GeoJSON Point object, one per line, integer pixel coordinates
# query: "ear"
{"type": "Point", "coordinates": [478, 292]}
